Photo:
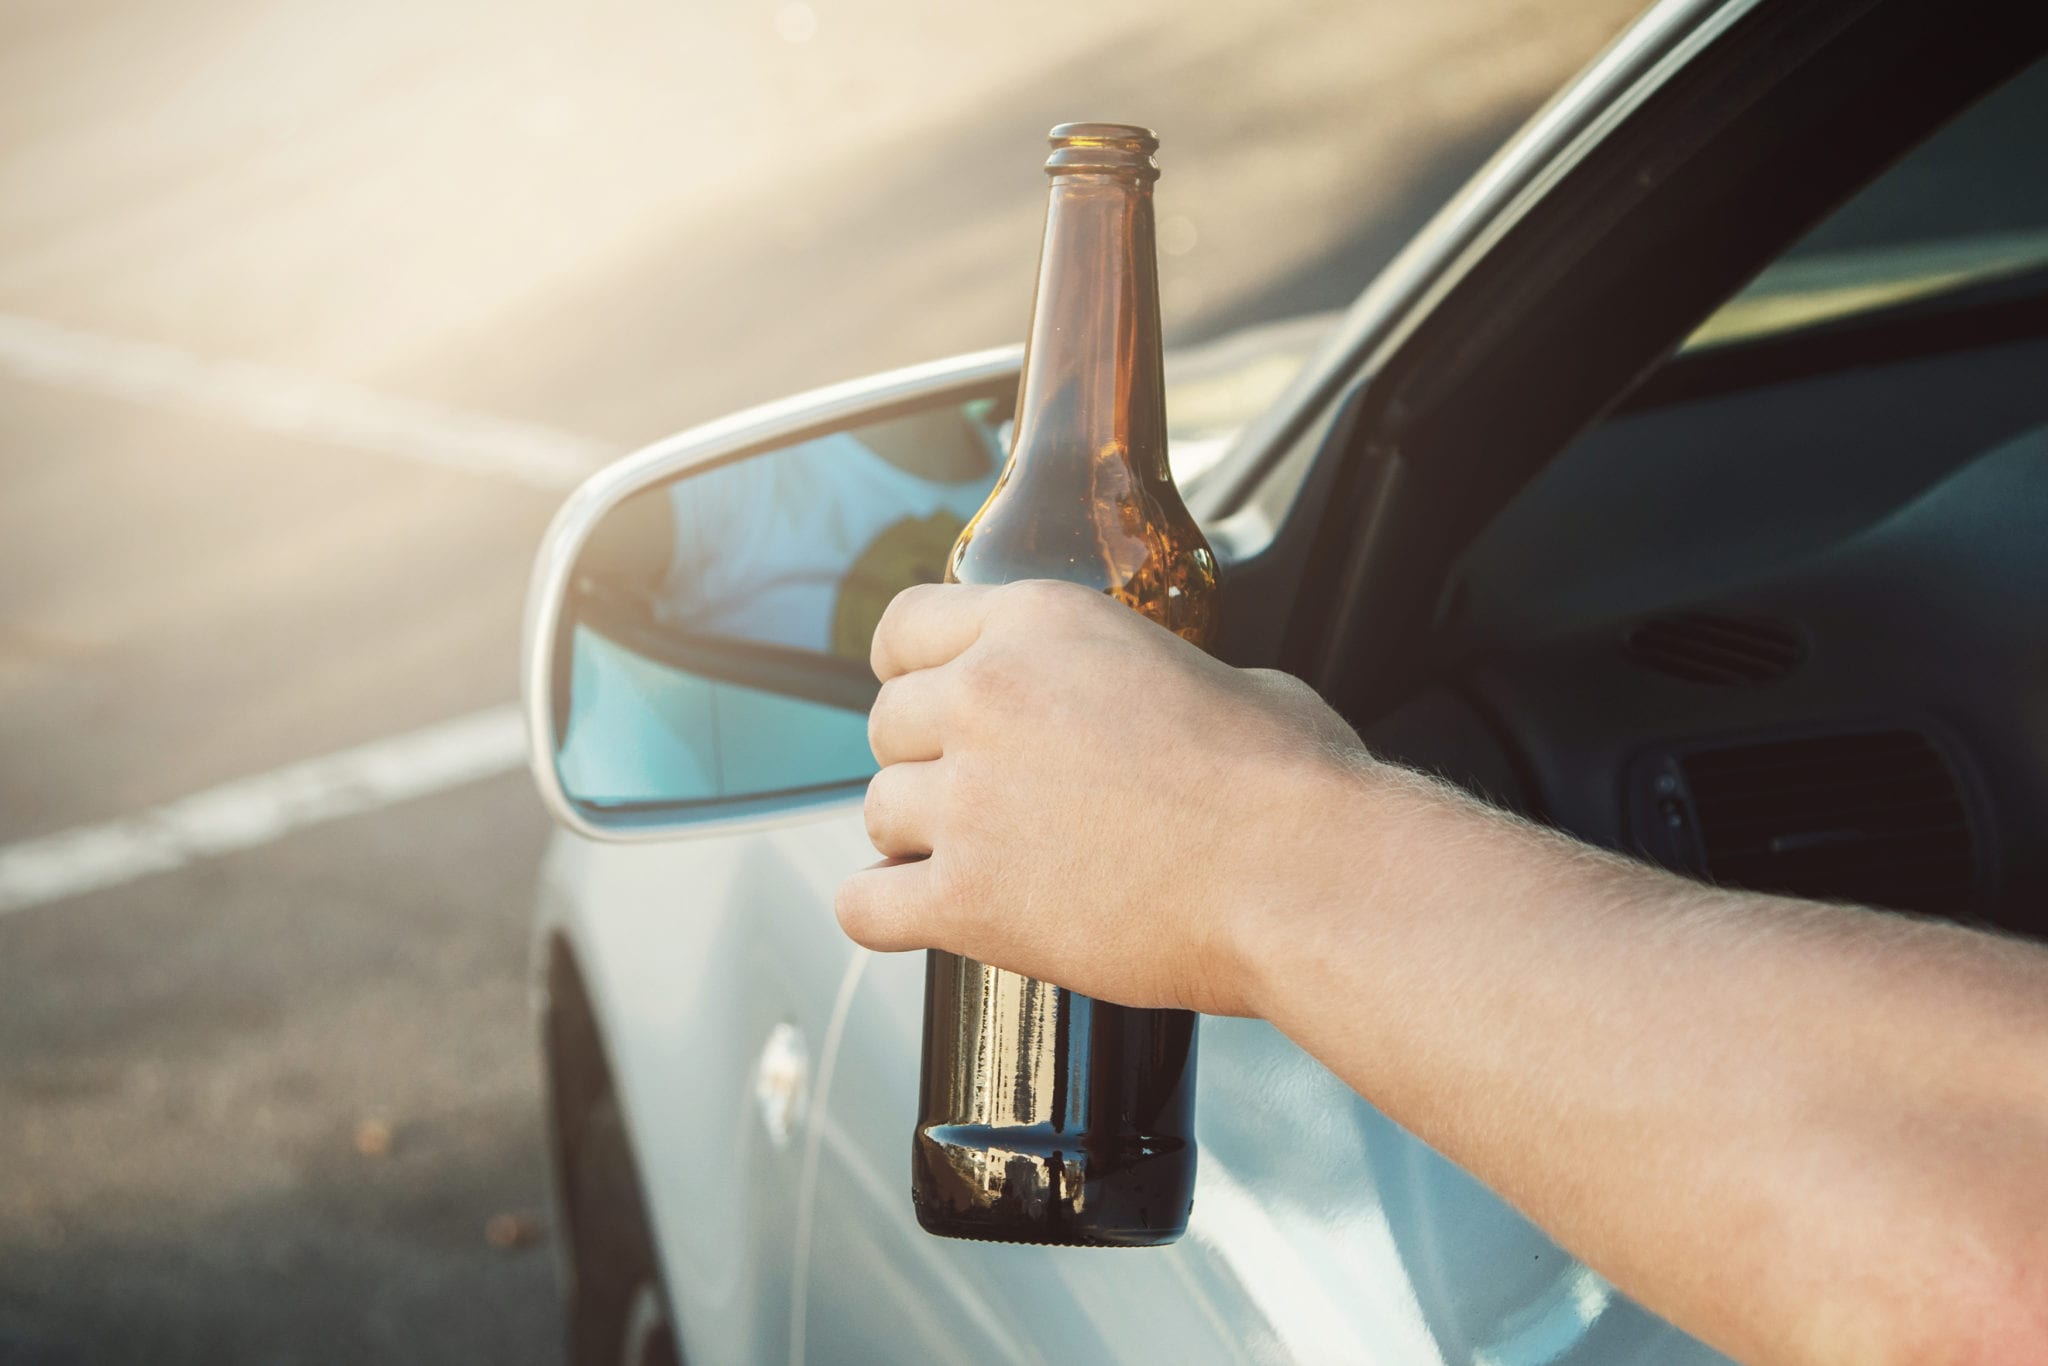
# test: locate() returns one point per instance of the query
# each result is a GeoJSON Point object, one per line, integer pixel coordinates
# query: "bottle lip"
{"type": "Point", "coordinates": [1103, 148]}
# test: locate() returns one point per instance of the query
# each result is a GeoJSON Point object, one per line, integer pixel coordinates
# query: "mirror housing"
{"type": "Point", "coordinates": [601, 609]}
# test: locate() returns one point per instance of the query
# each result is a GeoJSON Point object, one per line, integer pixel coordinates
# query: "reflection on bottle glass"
{"type": "Point", "coordinates": [1046, 1116]}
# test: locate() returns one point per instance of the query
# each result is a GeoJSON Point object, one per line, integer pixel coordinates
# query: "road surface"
{"type": "Point", "coordinates": [309, 313]}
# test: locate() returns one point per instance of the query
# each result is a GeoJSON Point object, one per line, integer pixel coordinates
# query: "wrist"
{"type": "Point", "coordinates": [1311, 881]}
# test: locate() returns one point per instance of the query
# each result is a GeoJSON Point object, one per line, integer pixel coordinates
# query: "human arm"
{"type": "Point", "coordinates": [1801, 1132]}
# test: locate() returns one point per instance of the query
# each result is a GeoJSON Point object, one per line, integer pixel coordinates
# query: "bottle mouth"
{"type": "Point", "coordinates": [1103, 148]}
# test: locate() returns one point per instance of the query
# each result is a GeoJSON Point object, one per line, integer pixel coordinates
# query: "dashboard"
{"type": "Point", "coordinates": [1791, 635]}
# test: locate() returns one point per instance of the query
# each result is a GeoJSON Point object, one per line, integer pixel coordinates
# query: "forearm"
{"type": "Point", "coordinates": [1802, 1132]}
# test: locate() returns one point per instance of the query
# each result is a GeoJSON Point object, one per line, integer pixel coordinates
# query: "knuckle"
{"type": "Point", "coordinates": [1036, 599]}
{"type": "Point", "coordinates": [987, 675]}
{"type": "Point", "coordinates": [906, 603]}
{"type": "Point", "coordinates": [878, 806]}
{"type": "Point", "coordinates": [911, 599]}
{"type": "Point", "coordinates": [879, 716]}
{"type": "Point", "coordinates": [890, 621]}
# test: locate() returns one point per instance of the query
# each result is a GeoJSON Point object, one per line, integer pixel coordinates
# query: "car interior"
{"type": "Point", "coordinates": [1780, 618]}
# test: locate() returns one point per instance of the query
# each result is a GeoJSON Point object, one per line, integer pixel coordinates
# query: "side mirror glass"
{"type": "Point", "coordinates": [699, 626]}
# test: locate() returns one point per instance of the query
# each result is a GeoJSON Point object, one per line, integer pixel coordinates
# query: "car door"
{"type": "Point", "coordinates": [1321, 1231]}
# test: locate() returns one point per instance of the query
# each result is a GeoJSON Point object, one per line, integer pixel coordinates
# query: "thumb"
{"type": "Point", "coordinates": [891, 906]}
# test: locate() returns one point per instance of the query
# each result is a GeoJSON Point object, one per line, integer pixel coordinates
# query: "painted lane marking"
{"type": "Point", "coordinates": [253, 811]}
{"type": "Point", "coordinates": [272, 399]}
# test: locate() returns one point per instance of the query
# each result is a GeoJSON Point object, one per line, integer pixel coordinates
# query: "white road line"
{"type": "Point", "coordinates": [277, 400]}
{"type": "Point", "coordinates": [253, 811]}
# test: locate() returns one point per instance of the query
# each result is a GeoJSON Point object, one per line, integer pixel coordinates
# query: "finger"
{"type": "Point", "coordinates": [902, 808]}
{"type": "Point", "coordinates": [926, 625]}
{"type": "Point", "coordinates": [889, 907]}
{"type": "Point", "coordinates": [907, 724]}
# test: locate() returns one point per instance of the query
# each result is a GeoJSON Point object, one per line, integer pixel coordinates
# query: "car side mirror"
{"type": "Point", "coordinates": [697, 628]}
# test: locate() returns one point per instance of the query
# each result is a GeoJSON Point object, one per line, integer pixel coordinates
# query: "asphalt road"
{"type": "Point", "coordinates": [308, 313]}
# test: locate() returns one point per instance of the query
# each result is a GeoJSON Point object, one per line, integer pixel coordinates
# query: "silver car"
{"type": "Point", "coordinates": [1655, 490]}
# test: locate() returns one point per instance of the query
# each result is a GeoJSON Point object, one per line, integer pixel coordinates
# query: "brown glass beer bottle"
{"type": "Point", "coordinates": [1045, 1116]}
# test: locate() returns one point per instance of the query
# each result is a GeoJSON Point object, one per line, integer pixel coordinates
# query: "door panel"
{"type": "Point", "coordinates": [696, 953]}
{"type": "Point", "coordinates": [1322, 1231]}
{"type": "Point", "coordinates": [878, 1283]}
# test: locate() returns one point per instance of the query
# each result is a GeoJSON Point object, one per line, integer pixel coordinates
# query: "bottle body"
{"type": "Point", "coordinates": [1050, 1117]}
{"type": "Point", "coordinates": [1046, 1116]}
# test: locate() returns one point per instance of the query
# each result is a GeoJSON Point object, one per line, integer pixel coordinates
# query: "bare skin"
{"type": "Point", "coordinates": [1803, 1133]}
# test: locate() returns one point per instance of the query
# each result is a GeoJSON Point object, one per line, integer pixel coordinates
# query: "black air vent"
{"type": "Point", "coordinates": [1875, 818]}
{"type": "Point", "coordinates": [1704, 647]}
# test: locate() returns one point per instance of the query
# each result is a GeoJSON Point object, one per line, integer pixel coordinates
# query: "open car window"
{"type": "Point", "coordinates": [1966, 207]}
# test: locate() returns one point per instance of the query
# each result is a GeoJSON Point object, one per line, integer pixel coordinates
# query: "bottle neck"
{"type": "Point", "coordinates": [1093, 384]}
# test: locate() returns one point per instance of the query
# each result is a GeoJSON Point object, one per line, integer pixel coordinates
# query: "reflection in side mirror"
{"type": "Point", "coordinates": [710, 653]}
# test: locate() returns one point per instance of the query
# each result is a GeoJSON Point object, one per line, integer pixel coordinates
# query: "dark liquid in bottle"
{"type": "Point", "coordinates": [1085, 1135]}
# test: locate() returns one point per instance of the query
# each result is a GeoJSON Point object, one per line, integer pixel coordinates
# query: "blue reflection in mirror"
{"type": "Point", "coordinates": [718, 630]}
